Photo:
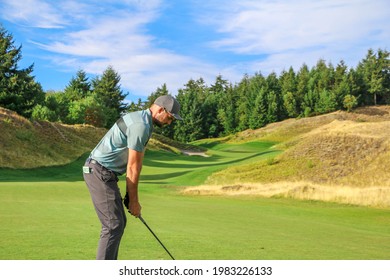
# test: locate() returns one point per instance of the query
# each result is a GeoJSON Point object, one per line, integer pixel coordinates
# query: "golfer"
{"type": "Point", "coordinates": [121, 151]}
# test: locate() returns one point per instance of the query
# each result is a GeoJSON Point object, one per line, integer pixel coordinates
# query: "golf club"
{"type": "Point", "coordinates": [143, 221]}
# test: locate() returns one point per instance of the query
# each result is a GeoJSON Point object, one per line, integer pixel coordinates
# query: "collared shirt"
{"type": "Point", "coordinates": [112, 150]}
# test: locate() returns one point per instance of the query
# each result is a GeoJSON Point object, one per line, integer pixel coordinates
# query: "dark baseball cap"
{"type": "Point", "coordinates": [170, 104]}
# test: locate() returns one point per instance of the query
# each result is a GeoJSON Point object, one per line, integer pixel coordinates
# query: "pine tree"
{"type": "Point", "coordinates": [227, 111]}
{"type": "Point", "coordinates": [18, 90]}
{"type": "Point", "coordinates": [258, 113]}
{"type": "Point", "coordinates": [245, 105]}
{"type": "Point", "coordinates": [214, 102]}
{"type": "Point", "coordinates": [341, 86]}
{"type": "Point", "coordinates": [259, 117]}
{"type": "Point", "coordinates": [190, 128]}
{"type": "Point", "coordinates": [108, 92]}
{"type": "Point", "coordinates": [79, 87]}
{"type": "Point", "coordinates": [375, 71]}
{"type": "Point", "coordinates": [291, 99]}
{"type": "Point", "coordinates": [303, 77]}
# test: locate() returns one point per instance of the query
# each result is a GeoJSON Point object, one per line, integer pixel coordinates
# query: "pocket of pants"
{"type": "Point", "coordinates": [107, 176]}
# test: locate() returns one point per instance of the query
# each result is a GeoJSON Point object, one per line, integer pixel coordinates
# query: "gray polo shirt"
{"type": "Point", "coordinates": [112, 150]}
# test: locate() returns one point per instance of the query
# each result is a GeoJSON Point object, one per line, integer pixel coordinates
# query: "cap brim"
{"type": "Point", "coordinates": [177, 117]}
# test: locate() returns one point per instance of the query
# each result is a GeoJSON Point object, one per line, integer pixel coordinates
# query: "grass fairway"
{"type": "Point", "coordinates": [47, 214]}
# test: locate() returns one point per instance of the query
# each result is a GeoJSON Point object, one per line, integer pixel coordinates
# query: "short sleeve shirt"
{"type": "Point", "coordinates": [113, 149]}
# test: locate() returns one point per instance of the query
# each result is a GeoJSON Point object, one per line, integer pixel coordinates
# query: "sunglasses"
{"type": "Point", "coordinates": [171, 117]}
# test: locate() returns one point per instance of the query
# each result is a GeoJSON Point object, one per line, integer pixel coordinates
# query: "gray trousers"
{"type": "Point", "coordinates": [107, 200]}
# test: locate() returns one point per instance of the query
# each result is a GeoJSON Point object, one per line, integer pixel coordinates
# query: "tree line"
{"type": "Point", "coordinates": [220, 109]}
{"type": "Point", "coordinates": [208, 111]}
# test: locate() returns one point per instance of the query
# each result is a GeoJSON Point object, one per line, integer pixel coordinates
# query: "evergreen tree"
{"type": "Point", "coordinates": [309, 103]}
{"type": "Point", "coordinates": [258, 113]}
{"type": "Point", "coordinates": [227, 111]}
{"type": "Point", "coordinates": [108, 92]}
{"type": "Point", "coordinates": [18, 90]}
{"type": "Point", "coordinates": [79, 87]}
{"type": "Point", "coordinates": [356, 85]}
{"type": "Point", "coordinates": [325, 103]}
{"type": "Point", "coordinates": [190, 128]}
{"type": "Point", "coordinates": [245, 105]}
{"type": "Point", "coordinates": [140, 105]}
{"type": "Point", "coordinates": [290, 105]}
{"type": "Point", "coordinates": [322, 76]}
{"type": "Point", "coordinates": [303, 77]}
{"type": "Point", "coordinates": [291, 98]}
{"type": "Point", "coordinates": [341, 86]}
{"type": "Point", "coordinates": [215, 101]}
{"type": "Point", "coordinates": [384, 61]}
{"type": "Point", "coordinates": [274, 99]}
{"type": "Point", "coordinates": [375, 70]}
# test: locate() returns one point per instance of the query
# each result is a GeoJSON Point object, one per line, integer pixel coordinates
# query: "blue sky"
{"type": "Point", "coordinates": [151, 42]}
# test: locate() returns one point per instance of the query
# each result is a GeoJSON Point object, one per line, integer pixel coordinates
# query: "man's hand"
{"type": "Point", "coordinates": [134, 208]}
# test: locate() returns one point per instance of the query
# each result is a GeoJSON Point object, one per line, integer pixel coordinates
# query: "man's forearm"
{"type": "Point", "coordinates": [132, 189]}
{"type": "Point", "coordinates": [134, 166]}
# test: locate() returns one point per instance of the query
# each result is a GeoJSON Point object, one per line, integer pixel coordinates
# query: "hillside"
{"type": "Point", "coordinates": [26, 144]}
{"type": "Point", "coordinates": [341, 156]}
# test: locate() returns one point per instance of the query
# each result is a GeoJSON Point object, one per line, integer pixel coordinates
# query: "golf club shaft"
{"type": "Point", "coordinates": [143, 221]}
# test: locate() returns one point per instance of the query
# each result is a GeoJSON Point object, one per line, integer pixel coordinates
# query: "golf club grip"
{"type": "Point", "coordinates": [166, 250]}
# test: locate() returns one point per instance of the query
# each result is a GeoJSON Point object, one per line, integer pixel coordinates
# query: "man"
{"type": "Point", "coordinates": [121, 151]}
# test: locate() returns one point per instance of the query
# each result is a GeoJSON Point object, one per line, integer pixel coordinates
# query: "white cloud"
{"type": "Point", "coordinates": [272, 26]}
{"type": "Point", "coordinates": [107, 37]}
{"type": "Point", "coordinates": [290, 32]}
{"type": "Point", "coordinates": [32, 13]}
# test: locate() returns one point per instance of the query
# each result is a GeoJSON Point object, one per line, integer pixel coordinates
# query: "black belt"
{"type": "Point", "coordinates": [91, 160]}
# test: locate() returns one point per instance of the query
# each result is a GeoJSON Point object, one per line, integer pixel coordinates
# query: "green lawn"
{"type": "Point", "coordinates": [47, 214]}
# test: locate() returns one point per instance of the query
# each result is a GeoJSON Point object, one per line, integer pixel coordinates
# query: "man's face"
{"type": "Point", "coordinates": [163, 118]}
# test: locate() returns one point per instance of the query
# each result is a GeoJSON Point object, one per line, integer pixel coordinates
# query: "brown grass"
{"type": "Point", "coordinates": [26, 144]}
{"type": "Point", "coordinates": [368, 196]}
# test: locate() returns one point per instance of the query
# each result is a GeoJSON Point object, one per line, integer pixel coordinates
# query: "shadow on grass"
{"type": "Point", "coordinates": [71, 172]}
{"type": "Point", "coordinates": [211, 161]}
{"type": "Point", "coordinates": [153, 179]}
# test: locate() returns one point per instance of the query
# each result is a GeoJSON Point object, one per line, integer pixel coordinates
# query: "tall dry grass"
{"type": "Point", "coordinates": [369, 196]}
{"type": "Point", "coordinates": [26, 144]}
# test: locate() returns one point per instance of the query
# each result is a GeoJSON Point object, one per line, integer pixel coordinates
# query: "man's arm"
{"type": "Point", "coordinates": [133, 171]}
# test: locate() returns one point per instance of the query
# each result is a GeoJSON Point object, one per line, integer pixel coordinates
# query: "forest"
{"type": "Point", "coordinates": [208, 111]}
